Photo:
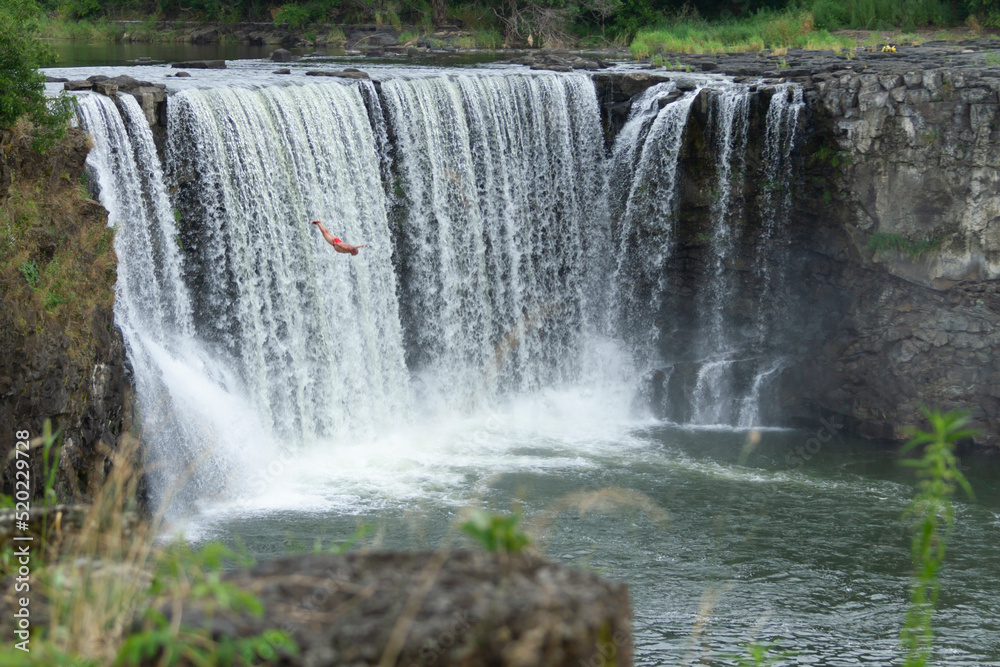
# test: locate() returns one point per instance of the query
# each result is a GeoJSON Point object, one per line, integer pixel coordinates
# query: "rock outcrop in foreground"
{"type": "Point", "coordinates": [440, 608]}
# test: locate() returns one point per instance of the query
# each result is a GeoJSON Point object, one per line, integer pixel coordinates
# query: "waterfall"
{"type": "Point", "coordinates": [719, 343]}
{"type": "Point", "coordinates": [720, 340]}
{"type": "Point", "coordinates": [133, 191]}
{"type": "Point", "coordinates": [504, 224]}
{"type": "Point", "coordinates": [185, 410]}
{"type": "Point", "coordinates": [643, 192]}
{"type": "Point", "coordinates": [246, 330]}
{"type": "Point", "coordinates": [771, 258]}
{"type": "Point", "coordinates": [782, 124]}
{"type": "Point", "coordinates": [316, 339]}
{"type": "Point", "coordinates": [506, 254]}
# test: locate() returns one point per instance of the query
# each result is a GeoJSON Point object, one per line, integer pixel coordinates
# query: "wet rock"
{"type": "Point", "coordinates": [204, 36]}
{"type": "Point", "coordinates": [181, 75]}
{"type": "Point", "coordinates": [343, 74]}
{"type": "Point", "coordinates": [77, 85]}
{"type": "Point", "coordinates": [283, 56]}
{"type": "Point", "coordinates": [294, 42]}
{"type": "Point", "coordinates": [283, 70]}
{"type": "Point", "coordinates": [105, 88]}
{"type": "Point", "coordinates": [200, 64]}
{"type": "Point", "coordinates": [256, 38]}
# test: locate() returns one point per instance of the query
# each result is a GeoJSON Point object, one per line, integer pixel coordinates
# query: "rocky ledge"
{"type": "Point", "coordinates": [152, 97]}
{"type": "Point", "coordinates": [442, 608]}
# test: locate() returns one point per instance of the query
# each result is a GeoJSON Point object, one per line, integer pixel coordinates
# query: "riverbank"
{"type": "Point", "coordinates": [665, 47]}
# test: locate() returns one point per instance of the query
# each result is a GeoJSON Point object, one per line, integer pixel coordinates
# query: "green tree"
{"type": "Point", "coordinates": [22, 86]}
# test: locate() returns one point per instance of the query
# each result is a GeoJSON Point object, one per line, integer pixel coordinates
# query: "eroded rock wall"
{"type": "Point", "coordinates": [894, 244]}
{"type": "Point", "coordinates": [60, 356]}
{"type": "Point", "coordinates": [900, 206]}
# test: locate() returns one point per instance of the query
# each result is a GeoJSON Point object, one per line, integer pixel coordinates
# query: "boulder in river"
{"type": "Point", "coordinates": [283, 56]}
{"type": "Point", "coordinates": [200, 64]}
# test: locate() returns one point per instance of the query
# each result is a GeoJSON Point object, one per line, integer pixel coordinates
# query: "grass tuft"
{"type": "Point", "coordinates": [764, 30]}
{"type": "Point", "coordinates": [884, 242]}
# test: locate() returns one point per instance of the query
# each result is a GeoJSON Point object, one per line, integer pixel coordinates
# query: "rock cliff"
{"type": "Point", "coordinates": [909, 233]}
{"type": "Point", "coordinates": [894, 242]}
{"type": "Point", "coordinates": [60, 355]}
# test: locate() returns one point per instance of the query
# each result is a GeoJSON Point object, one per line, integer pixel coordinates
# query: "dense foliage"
{"type": "Point", "coordinates": [22, 91]}
{"type": "Point", "coordinates": [547, 20]}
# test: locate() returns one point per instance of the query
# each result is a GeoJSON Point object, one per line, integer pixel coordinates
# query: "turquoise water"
{"type": "Point", "coordinates": [808, 554]}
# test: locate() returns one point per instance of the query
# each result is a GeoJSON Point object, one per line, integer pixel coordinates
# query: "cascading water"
{"type": "Point", "coordinates": [185, 399]}
{"type": "Point", "coordinates": [499, 182]}
{"type": "Point", "coordinates": [245, 329]}
{"type": "Point", "coordinates": [714, 390]}
{"type": "Point", "coordinates": [643, 194]}
{"type": "Point", "coordinates": [715, 366]}
{"type": "Point", "coordinates": [502, 231]}
{"type": "Point", "coordinates": [770, 260]}
{"type": "Point", "coordinates": [316, 340]}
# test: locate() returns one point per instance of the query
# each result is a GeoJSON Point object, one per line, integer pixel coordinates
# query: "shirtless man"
{"type": "Point", "coordinates": [337, 244]}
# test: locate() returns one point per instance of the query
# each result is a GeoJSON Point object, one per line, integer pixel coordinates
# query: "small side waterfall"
{"type": "Point", "coordinates": [711, 348]}
{"type": "Point", "coordinates": [643, 195]}
{"type": "Point", "coordinates": [719, 321]}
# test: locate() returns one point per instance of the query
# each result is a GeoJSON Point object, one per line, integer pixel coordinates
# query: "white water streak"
{"type": "Point", "coordinates": [315, 335]}
{"type": "Point", "coordinates": [502, 178]}
{"type": "Point", "coordinates": [645, 178]}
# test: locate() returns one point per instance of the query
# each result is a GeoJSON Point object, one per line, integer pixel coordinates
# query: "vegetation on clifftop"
{"type": "Point", "coordinates": [22, 93]}
{"type": "Point", "coordinates": [56, 255]}
{"type": "Point", "coordinates": [706, 26]}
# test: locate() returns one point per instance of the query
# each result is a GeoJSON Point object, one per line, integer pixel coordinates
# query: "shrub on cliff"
{"type": "Point", "coordinates": [22, 87]}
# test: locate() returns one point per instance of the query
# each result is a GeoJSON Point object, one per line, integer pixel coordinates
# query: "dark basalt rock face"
{"type": "Point", "coordinates": [894, 255]}
{"type": "Point", "coordinates": [457, 608]}
{"type": "Point", "coordinates": [912, 157]}
{"type": "Point", "coordinates": [67, 365]}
